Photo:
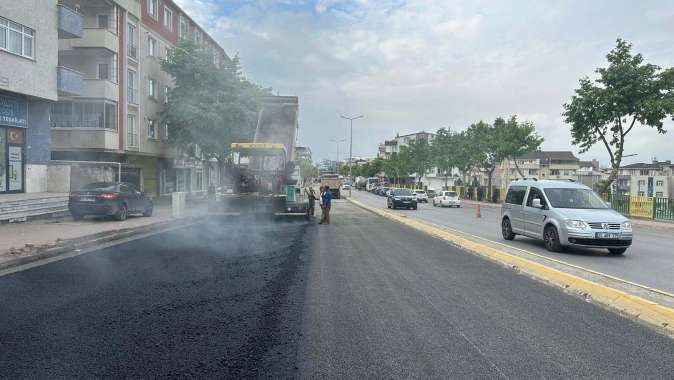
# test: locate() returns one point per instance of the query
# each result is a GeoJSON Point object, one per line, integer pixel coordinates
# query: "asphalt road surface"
{"type": "Point", "coordinates": [649, 261]}
{"type": "Point", "coordinates": [363, 297]}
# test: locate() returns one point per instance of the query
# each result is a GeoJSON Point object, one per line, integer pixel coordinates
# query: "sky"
{"type": "Point", "coordinates": [417, 65]}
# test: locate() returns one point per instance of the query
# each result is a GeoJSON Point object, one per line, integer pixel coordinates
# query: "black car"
{"type": "Point", "coordinates": [116, 199]}
{"type": "Point", "coordinates": [402, 198]}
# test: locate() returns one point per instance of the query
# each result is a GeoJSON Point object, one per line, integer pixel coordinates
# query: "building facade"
{"type": "Point", "coordinates": [393, 146]}
{"type": "Point", "coordinates": [303, 153]}
{"type": "Point", "coordinates": [655, 179]}
{"type": "Point", "coordinates": [552, 165]}
{"type": "Point", "coordinates": [116, 117]}
{"type": "Point", "coordinates": [29, 32]}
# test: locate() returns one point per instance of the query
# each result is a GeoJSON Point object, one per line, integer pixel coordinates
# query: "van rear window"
{"type": "Point", "coordinates": [516, 194]}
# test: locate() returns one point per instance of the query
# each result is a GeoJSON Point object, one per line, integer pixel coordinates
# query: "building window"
{"type": "Point", "coordinates": [168, 53]}
{"type": "Point", "coordinates": [103, 71]}
{"type": "Point", "coordinates": [641, 193]}
{"type": "Point", "coordinates": [167, 89]}
{"type": "Point", "coordinates": [132, 87]}
{"type": "Point", "coordinates": [658, 194]}
{"type": "Point", "coordinates": [641, 182]}
{"type": "Point", "coordinates": [103, 21]}
{"type": "Point", "coordinates": [151, 46]}
{"type": "Point", "coordinates": [151, 88]}
{"type": "Point", "coordinates": [182, 33]}
{"type": "Point", "coordinates": [152, 8]}
{"type": "Point", "coordinates": [16, 38]}
{"type": "Point", "coordinates": [659, 183]}
{"type": "Point", "coordinates": [166, 131]}
{"type": "Point", "coordinates": [131, 48]}
{"type": "Point", "coordinates": [554, 171]}
{"type": "Point", "coordinates": [643, 172]}
{"type": "Point", "coordinates": [168, 18]}
{"type": "Point", "coordinates": [131, 130]}
{"type": "Point", "coordinates": [84, 114]}
{"type": "Point", "coordinates": [151, 129]}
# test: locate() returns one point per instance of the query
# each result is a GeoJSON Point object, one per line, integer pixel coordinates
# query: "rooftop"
{"type": "Point", "coordinates": [550, 156]}
{"type": "Point", "coordinates": [652, 165]}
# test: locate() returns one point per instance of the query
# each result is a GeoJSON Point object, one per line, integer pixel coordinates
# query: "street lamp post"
{"type": "Point", "coordinates": [337, 142]}
{"type": "Point", "coordinates": [351, 119]}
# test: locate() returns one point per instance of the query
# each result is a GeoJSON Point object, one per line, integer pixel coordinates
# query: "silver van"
{"type": "Point", "coordinates": [563, 214]}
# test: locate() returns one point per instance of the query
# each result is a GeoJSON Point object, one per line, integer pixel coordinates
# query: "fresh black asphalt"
{"type": "Point", "coordinates": [361, 298]}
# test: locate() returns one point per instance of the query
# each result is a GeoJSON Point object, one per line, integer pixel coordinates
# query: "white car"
{"type": "Point", "coordinates": [346, 186]}
{"type": "Point", "coordinates": [447, 199]}
{"type": "Point", "coordinates": [421, 196]}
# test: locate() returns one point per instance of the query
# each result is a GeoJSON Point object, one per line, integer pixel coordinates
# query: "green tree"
{"type": "Point", "coordinates": [483, 140]}
{"type": "Point", "coordinates": [515, 139]}
{"type": "Point", "coordinates": [420, 157]}
{"type": "Point", "coordinates": [628, 93]}
{"type": "Point", "coordinates": [209, 107]}
{"type": "Point", "coordinates": [308, 170]}
{"type": "Point", "coordinates": [398, 166]}
{"type": "Point", "coordinates": [445, 151]}
{"type": "Point", "coordinates": [465, 154]}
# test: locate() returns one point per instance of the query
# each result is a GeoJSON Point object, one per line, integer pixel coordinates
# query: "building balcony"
{"type": "Point", "coordinates": [70, 23]}
{"type": "Point", "coordinates": [84, 139]}
{"type": "Point", "coordinates": [100, 89]}
{"type": "Point", "coordinates": [69, 82]}
{"type": "Point", "coordinates": [92, 38]}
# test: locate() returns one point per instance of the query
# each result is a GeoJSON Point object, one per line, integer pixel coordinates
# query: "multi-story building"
{"type": "Point", "coordinates": [116, 117]}
{"type": "Point", "coordinates": [553, 165]}
{"type": "Point", "coordinates": [303, 153]}
{"type": "Point", "coordinates": [29, 32]}
{"type": "Point", "coordinates": [589, 173]}
{"type": "Point", "coordinates": [394, 145]}
{"type": "Point", "coordinates": [655, 179]}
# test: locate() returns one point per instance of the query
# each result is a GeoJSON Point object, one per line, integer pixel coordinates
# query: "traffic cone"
{"type": "Point", "coordinates": [478, 214]}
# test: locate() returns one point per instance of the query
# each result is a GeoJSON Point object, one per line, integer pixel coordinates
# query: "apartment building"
{"type": "Point", "coordinates": [116, 117]}
{"type": "Point", "coordinates": [589, 173]}
{"type": "Point", "coordinates": [553, 165]}
{"type": "Point", "coordinates": [394, 145]}
{"type": "Point", "coordinates": [29, 31]}
{"type": "Point", "coordinates": [303, 153]}
{"type": "Point", "coordinates": [655, 179]}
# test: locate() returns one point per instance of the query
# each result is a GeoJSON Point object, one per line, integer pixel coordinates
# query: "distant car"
{"type": "Point", "coordinates": [116, 199]}
{"type": "Point", "coordinates": [346, 186]}
{"type": "Point", "coordinates": [401, 198]}
{"type": "Point", "coordinates": [383, 191]}
{"type": "Point", "coordinates": [421, 196]}
{"type": "Point", "coordinates": [430, 193]}
{"type": "Point", "coordinates": [446, 198]}
{"type": "Point", "coordinates": [563, 214]}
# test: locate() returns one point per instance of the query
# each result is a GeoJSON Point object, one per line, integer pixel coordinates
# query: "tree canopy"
{"type": "Point", "coordinates": [515, 139]}
{"type": "Point", "coordinates": [628, 93]}
{"type": "Point", "coordinates": [209, 106]}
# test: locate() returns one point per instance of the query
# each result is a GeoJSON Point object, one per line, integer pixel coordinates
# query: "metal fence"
{"type": "Point", "coordinates": [642, 207]}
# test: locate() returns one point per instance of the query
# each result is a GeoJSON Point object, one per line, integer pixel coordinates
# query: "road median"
{"type": "Point", "coordinates": [647, 305]}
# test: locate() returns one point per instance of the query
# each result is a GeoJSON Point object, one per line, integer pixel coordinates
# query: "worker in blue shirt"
{"type": "Point", "coordinates": [326, 197]}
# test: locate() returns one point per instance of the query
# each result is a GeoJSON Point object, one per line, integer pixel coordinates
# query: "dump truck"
{"type": "Point", "coordinates": [332, 180]}
{"type": "Point", "coordinates": [265, 177]}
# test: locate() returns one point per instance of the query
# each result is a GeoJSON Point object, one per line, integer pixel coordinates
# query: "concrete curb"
{"type": "Point", "coordinates": [97, 239]}
{"type": "Point", "coordinates": [641, 309]}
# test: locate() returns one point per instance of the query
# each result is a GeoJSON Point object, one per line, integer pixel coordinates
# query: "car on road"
{"type": "Point", "coordinates": [446, 198]}
{"type": "Point", "coordinates": [401, 198]}
{"type": "Point", "coordinates": [422, 197]}
{"type": "Point", "coordinates": [383, 190]}
{"type": "Point", "coordinates": [346, 187]}
{"type": "Point", "coordinates": [563, 213]}
{"type": "Point", "coordinates": [116, 199]}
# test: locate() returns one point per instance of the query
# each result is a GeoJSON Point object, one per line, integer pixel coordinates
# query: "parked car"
{"type": "Point", "coordinates": [401, 198]}
{"type": "Point", "coordinates": [116, 199]}
{"type": "Point", "coordinates": [447, 198]}
{"type": "Point", "coordinates": [383, 191]}
{"type": "Point", "coordinates": [563, 214]}
{"type": "Point", "coordinates": [430, 193]}
{"type": "Point", "coordinates": [421, 196]}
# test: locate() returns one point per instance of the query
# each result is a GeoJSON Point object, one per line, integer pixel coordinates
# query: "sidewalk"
{"type": "Point", "coordinates": [635, 222]}
{"type": "Point", "coordinates": [21, 239]}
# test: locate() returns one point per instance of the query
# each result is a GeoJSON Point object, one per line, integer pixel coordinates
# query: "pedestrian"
{"type": "Point", "coordinates": [312, 200]}
{"type": "Point", "coordinates": [320, 201]}
{"type": "Point", "coordinates": [327, 203]}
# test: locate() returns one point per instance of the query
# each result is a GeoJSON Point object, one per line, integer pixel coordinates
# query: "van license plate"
{"type": "Point", "coordinates": [607, 235]}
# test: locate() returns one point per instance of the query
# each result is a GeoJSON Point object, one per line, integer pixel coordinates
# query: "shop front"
{"type": "Point", "coordinates": [12, 143]}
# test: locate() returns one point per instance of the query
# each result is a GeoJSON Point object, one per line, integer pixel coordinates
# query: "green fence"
{"type": "Point", "coordinates": [644, 207]}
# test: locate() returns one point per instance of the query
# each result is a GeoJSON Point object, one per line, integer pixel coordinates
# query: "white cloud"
{"type": "Point", "coordinates": [423, 64]}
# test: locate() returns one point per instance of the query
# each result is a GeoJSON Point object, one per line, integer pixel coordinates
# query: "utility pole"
{"type": "Point", "coordinates": [351, 119]}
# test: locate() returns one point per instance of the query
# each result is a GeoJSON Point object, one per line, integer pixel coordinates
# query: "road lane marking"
{"type": "Point", "coordinates": [641, 309]}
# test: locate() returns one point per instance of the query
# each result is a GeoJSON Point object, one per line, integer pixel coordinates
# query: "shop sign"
{"type": "Point", "coordinates": [15, 168]}
{"type": "Point", "coordinates": [13, 111]}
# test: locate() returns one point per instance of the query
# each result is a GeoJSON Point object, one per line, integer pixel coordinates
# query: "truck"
{"type": "Point", "coordinates": [265, 177]}
{"type": "Point", "coordinates": [332, 180]}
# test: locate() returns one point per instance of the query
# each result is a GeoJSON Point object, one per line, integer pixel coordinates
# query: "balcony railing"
{"type": "Point", "coordinates": [70, 23]}
{"type": "Point", "coordinates": [69, 82]}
